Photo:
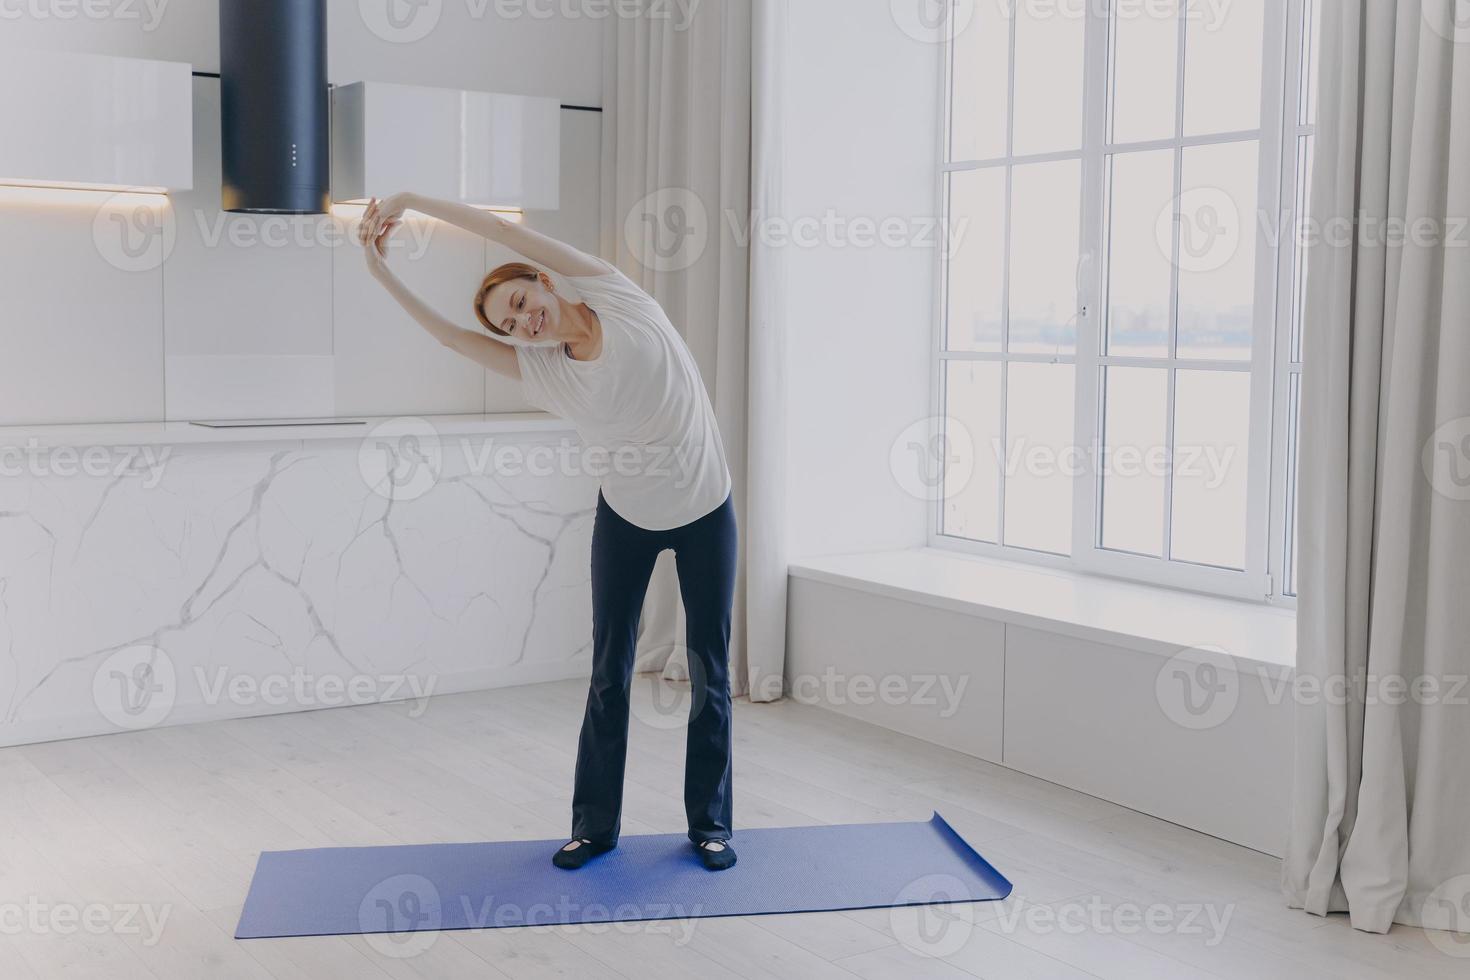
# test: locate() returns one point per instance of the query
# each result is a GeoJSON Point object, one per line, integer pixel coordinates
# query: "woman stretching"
{"type": "Point", "coordinates": [613, 366]}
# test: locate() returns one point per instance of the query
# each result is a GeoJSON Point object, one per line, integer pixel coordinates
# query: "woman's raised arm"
{"type": "Point", "coordinates": [478, 347]}
{"type": "Point", "coordinates": [543, 250]}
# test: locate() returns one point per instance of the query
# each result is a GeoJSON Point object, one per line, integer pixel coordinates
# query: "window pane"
{"type": "Point", "coordinates": [1299, 264]}
{"type": "Point", "coordinates": [979, 85]}
{"type": "Point", "coordinates": [971, 500]}
{"type": "Point", "coordinates": [1145, 70]}
{"type": "Point", "coordinates": [1224, 42]}
{"type": "Point", "coordinates": [1293, 464]}
{"type": "Point", "coordinates": [1217, 250]}
{"type": "Point", "coordinates": [1039, 457]}
{"type": "Point", "coordinates": [1045, 214]}
{"type": "Point", "coordinates": [1049, 58]}
{"type": "Point", "coordinates": [1211, 456]}
{"type": "Point", "coordinates": [977, 267]}
{"type": "Point", "coordinates": [1135, 439]}
{"type": "Point", "coordinates": [1140, 249]}
{"type": "Point", "coordinates": [1311, 45]}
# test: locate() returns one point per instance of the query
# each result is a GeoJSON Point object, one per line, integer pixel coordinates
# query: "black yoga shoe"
{"type": "Point", "coordinates": [717, 855]}
{"type": "Point", "coordinates": [577, 852]}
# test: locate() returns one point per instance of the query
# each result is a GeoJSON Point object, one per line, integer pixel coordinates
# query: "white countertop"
{"type": "Point", "coordinates": [186, 433]}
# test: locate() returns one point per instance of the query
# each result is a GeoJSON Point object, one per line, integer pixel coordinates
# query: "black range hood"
{"type": "Point", "coordinates": [274, 105]}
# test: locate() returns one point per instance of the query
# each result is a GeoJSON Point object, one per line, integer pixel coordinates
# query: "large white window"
{"type": "Point", "coordinates": [1118, 354]}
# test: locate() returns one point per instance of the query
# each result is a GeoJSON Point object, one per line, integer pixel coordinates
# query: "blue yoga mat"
{"type": "Point", "coordinates": [335, 891]}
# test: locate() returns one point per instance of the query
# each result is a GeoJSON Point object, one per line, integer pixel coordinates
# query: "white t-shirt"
{"type": "Point", "coordinates": [640, 408]}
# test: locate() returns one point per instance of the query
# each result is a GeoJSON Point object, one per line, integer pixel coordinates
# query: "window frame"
{"type": "Point", "coordinates": [1267, 551]}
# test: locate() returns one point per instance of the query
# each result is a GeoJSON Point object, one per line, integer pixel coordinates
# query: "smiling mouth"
{"type": "Point", "coordinates": [539, 323]}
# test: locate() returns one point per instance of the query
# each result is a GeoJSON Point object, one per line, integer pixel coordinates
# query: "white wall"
{"type": "Point", "coordinates": [245, 315]}
{"type": "Point", "coordinates": [860, 144]}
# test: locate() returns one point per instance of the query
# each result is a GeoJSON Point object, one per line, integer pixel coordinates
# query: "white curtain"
{"type": "Point", "coordinates": [676, 201]}
{"type": "Point", "coordinates": [1380, 822]}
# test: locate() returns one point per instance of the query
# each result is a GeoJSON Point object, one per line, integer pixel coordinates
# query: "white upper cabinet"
{"type": "Point", "coordinates": [480, 148]}
{"type": "Point", "coordinates": [91, 121]}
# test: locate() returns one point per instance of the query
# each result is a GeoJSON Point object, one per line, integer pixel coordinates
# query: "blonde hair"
{"type": "Point", "coordinates": [510, 272]}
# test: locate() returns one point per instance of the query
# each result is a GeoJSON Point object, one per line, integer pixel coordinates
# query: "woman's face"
{"type": "Point", "coordinates": [526, 309]}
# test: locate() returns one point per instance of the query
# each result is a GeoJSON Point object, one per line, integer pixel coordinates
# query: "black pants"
{"type": "Point", "coordinates": [622, 562]}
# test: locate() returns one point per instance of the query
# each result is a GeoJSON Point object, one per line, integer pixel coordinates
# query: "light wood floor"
{"type": "Point", "coordinates": [171, 821]}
